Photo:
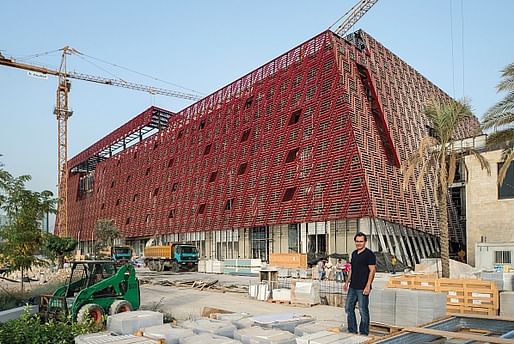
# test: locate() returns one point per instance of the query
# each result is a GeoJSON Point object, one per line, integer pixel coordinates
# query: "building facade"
{"type": "Point", "coordinates": [295, 156]}
{"type": "Point", "coordinates": [489, 212]}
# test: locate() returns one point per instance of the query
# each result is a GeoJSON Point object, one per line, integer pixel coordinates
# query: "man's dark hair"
{"type": "Point", "coordinates": [360, 234]}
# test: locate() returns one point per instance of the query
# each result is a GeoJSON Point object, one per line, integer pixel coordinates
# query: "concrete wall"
{"type": "Point", "coordinates": [487, 217]}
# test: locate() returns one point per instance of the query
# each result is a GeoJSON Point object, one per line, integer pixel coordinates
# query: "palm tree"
{"type": "Point", "coordinates": [501, 118]}
{"type": "Point", "coordinates": [436, 155]}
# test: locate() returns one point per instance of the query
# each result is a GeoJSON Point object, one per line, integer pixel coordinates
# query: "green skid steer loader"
{"type": "Point", "coordinates": [94, 288]}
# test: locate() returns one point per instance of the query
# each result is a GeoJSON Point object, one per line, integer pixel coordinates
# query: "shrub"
{"type": "Point", "coordinates": [29, 329]}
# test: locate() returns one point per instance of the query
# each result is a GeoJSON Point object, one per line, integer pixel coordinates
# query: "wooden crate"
{"type": "Point", "coordinates": [482, 298]}
{"type": "Point", "coordinates": [464, 296]}
{"type": "Point", "coordinates": [288, 260]}
{"type": "Point", "coordinates": [470, 310]}
{"type": "Point", "coordinates": [402, 282]}
{"type": "Point", "coordinates": [424, 283]}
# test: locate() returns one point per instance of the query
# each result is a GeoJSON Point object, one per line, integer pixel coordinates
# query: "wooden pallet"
{"type": "Point", "coordinates": [303, 304]}
{"type": "Point", "coordinates": [464, 296]}
{"type": "Point", "coordinates": [279, 302]}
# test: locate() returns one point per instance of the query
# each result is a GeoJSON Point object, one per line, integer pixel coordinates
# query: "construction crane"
{"type": "Point", "coordinates": [353, 15]}
{"type": "Point", "coordinates": [63, 113]}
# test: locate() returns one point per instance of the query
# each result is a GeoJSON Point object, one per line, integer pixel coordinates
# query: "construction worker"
{"type": "Point", "coordinates": [394, 261]}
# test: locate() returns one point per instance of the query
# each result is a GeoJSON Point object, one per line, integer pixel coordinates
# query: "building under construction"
{"type": "Point", "coordinates": [295, 156]}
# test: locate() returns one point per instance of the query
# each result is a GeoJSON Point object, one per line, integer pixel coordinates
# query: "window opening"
{"type": "Point", "coordinates": [207, 149]}
{"type": "Point", "coordinates": [202, 124]}
{"type": "Point", "coordinates": [201, 208]}
{"type": "Point", "coordinates": [171, 214]}
{"type": "Point", "coordinates": [242, 168]}
{"type": "Point", "coordinates": [213, 176]}
{"type": "Point", "coordinates": [248, 102]}
{"type": "Point", "coordinates": [245, 135]}
{"type": "Point", "coordinates": [147, 171]}
{"type": "Point", "coordinates": [295, 117]}
{"type": "Point", "coordinates": [506, 189]}
{"type": "Point", "coordinates": [288, 194]}
{"type": "Point", "coordinates": [170, 163]}
{"type": "Point", "coordinates": [291, 155]}
{"type": "Point", "coordinates": [229, 203]}
{"type": "Point", "coordinates": [174, 187]}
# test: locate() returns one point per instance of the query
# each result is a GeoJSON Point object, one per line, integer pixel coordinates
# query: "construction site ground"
{"type": "Point", "coordinates": [184, 295]}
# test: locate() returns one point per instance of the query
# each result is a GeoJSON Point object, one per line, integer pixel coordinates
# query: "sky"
{"type": "Point", "coordinates": [459, 45]}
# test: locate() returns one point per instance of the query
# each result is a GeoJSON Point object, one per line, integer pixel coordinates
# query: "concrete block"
{"type": "Point", "coordinates": [131, 322]}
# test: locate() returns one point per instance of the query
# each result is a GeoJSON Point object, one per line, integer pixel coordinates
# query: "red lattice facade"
{"type": "Point", "coordinates": [317, 134]}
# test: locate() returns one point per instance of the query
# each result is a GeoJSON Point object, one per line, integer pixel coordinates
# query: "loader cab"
{"type": "Point", "coordinates": [87, 273]}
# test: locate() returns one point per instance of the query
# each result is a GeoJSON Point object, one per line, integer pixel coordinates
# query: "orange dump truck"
{"type": "Point", "coordinates": [173, 256]}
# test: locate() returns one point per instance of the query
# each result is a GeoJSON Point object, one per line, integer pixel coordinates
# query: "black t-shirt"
{"type": "Point", "coordinates": [360, 269]}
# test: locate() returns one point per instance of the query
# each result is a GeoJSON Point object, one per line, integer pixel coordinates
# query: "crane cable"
{"type": "Point", "coordinates": [461, 48]}
{"type": "Point", "coordinates": [139, 73]}
{"type": "Point", "coordinates": [344, 15]}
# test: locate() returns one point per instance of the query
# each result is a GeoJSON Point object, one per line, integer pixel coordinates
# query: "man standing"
{"type": "Point", "coordinates": [360, 278]}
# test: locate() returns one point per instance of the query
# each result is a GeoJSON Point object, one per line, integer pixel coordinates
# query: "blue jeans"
{"type": "Point", "coordinates": [339, 276]}
{"type": "Point", "coordinates": [352, 298]}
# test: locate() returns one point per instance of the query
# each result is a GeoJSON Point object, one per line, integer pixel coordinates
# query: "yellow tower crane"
{"type": "Point", "coordinates": [63, 113]}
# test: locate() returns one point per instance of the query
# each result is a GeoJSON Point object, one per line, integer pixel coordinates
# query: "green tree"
{"type": "Point", "coordinates": [25, 209]}
{"type": "Point", "coordinates": [59, 247]}
{"type": "Point", "coordinates": [436, 155]}
{"type": "Point", "coordinates": [500, 117]}
{"type": "Point", "coordinates": [105, 234]}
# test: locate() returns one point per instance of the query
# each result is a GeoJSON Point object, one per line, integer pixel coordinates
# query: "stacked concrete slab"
{"type": "Point", "coordinates": [216, 327]}
{"type": "Point", "coordinates": [131, 322]}
{"type": "Point", "coordinates": [507, 304]}
{"type": "Point", "coordinates": [261, 335]}
{"type": "Point", "coordinates": [317, 326]}
{"type": "Point", "coordinates": [383, 306]}
{"type": "Point", "coordinates": [416, 307]}
{"type": "Point", "coordinates": [168, 333]}
{"type": "Point", "coordinates": [327, 337]}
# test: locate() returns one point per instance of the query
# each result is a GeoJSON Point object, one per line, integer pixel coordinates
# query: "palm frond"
{"type": "Point", "coordinates": [508, 83]}
{"type": "Point", "coordinates": [484, 164]}
{"type": "Point", "coordinates": [500, 114]}
{"type": "Point", "coordinates": [503, 170]}
{"type": "Point", "coordinates": [452, 167]}
{"type": "Point", "coordinates": [500, 138]}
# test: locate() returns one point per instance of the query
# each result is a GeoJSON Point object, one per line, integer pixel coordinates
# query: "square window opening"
{"type": "Point", "coordinates": [248, 102]}
{"type": "Point", "coordinates": [295, 117]}
{"type": "Point", "coordinates": [213, 176]}
{"type": "Point", "coordinates": [242, 168]}
{"type": "Point", "coordinates": [174, 187]}
{"type": "Point", "coordinates": [201, 208]}
{"type": "Point", "coordinates": [245, 135]}
{"type": "Point", "coordinates": [207, 149]}
{"type": "Point", "coordinates": [291, 155]}
{"type": "Point", "coordinates": [229, 203]}
{"type": "Point", "coordinates": [289, 194]}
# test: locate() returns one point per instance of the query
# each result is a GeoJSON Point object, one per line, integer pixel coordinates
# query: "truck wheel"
{"type": "Point", "coordinates": [151, 265]}
{"type": "Point", "coordinates": [175, 267]}
{"type": "Point", "coordinates": [120, 306]}
{"type": "Point", "coordinates": [92, 311]}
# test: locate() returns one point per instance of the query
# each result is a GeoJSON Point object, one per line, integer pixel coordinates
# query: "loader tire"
{"type": "Point", "coordinates": [120, 306]}
{"type": "Point", "coordinates": [90, 311]}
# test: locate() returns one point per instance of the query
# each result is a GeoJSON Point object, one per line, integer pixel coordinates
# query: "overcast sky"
{"type": "Point", "coordinates": [204, 45]}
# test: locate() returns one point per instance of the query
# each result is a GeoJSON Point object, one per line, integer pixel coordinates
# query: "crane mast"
{"type": "Point", "coordinates": [63, 113]}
